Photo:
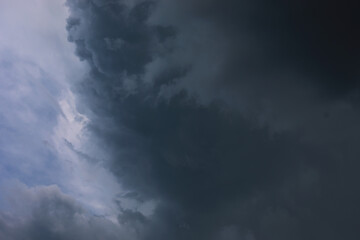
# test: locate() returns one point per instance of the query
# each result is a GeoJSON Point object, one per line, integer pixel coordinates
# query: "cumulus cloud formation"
{"type": "Point", "coordinates": [193, 120]}
{"type": "Point", "coordinates": [239, 118]}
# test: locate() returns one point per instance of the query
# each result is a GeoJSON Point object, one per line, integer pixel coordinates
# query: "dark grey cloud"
{"type": "Point", "coordinates": [313, 37]}
{"type": "Point", "coordinates": [239, 118]}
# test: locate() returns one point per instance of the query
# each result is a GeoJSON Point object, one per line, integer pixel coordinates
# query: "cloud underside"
{"type": "Point", "coordinates": [238, 118]}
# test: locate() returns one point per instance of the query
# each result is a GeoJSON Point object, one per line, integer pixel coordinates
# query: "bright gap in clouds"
{"type": "Point", "coordinates": [43, 139]}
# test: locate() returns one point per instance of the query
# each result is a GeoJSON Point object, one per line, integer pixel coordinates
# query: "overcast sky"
{"type": "Point", "coordinates": [179, 120]}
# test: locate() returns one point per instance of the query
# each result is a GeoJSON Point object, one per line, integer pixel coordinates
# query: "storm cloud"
{"type": "Point", "coordinates": [240, 118]}
{"type": "Point", "coordinates": [190, 119]}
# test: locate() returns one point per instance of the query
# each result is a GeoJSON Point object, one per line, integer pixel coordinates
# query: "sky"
{"type": "Point", "coordinates": [179, 120]}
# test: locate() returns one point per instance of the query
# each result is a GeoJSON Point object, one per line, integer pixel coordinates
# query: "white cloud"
{"type": "Point", "coordinates": [42, 136]}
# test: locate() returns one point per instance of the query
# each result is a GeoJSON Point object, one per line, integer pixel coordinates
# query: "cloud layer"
{"type": "Point", "coordinates": [203, 119]}
{"type": "Point", "coordinates": [238, 118]}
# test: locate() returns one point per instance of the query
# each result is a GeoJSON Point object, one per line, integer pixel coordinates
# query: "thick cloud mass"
{"type": "Point", "coordinates": [239, 118]}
